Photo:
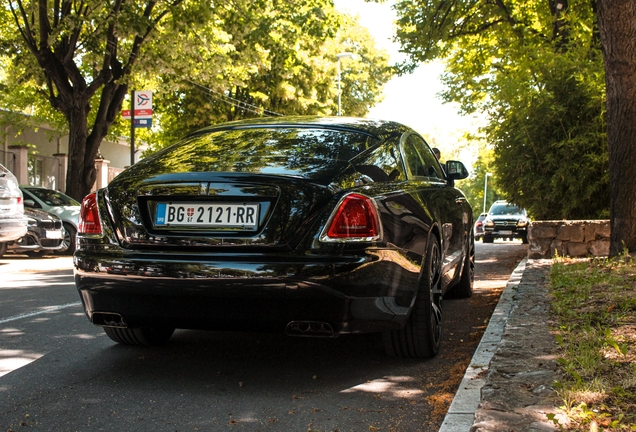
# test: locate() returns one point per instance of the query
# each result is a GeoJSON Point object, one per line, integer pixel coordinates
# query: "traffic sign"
{"type": "Point", "coordinates": [143, 122]}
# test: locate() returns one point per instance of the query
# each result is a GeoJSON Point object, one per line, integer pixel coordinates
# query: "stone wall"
{"type": "Point", "coordinates": [569, 238]}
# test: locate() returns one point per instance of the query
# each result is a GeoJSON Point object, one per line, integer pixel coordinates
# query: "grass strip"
{"type": "Point", "coordinates": [595, 304]}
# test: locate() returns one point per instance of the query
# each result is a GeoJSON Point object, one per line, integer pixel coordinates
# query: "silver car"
{"type": "Point", "coordinates": [13, 223]}
{"type": "Point", "coordinates": [59, 204]}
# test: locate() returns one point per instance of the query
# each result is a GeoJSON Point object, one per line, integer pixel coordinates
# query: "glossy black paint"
{"type": "Point", "coordinates": [297, 170]}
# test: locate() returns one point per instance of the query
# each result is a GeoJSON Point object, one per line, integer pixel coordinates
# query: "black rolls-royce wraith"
{"type": "Point", "coordinates": [310, 226]}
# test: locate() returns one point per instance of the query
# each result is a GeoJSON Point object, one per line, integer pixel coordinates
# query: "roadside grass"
{"type": "Point", "coordinates": [595, 304]}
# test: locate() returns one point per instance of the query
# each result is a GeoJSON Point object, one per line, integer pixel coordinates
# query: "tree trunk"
{"type": "Point", "coordinates": [617, 27]}
{"type": "Point", "coordinates": [82, 146]}
{"type": "Point", "coordinates": [77, 176]}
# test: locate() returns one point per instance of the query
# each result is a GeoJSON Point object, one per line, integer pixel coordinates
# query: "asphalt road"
{"type": "Point", "coordinates": [59, 372]}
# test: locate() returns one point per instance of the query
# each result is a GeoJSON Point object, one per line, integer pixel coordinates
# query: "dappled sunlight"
{"type": "Point", "coordinates": [394, 386]}
{"type": "Point", "coordinates": [82, 336]}
{"type": "Point", "coordinates": [12, 332]}
{"type": "Point", "coordinates": [28, 280]}
{"type": "Point", "coordinates": [11, 360]}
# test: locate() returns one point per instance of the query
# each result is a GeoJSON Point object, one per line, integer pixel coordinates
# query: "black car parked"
{"type": "Point", "coordinates": [44, 234]}
{"type": "Point", "coordinates": [308, 226]}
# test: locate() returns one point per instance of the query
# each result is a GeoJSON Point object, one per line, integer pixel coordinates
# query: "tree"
{"type": "Point", "coordinates": [83, 57]}
{"type": "Point", "coordinates": [535, 68]}
{"type": "Point", "coordinates": [282, 62]}
{"type": "Point", "coordinates": [616, 25]}
{"type": "Point", "coordinates": [84, 53]}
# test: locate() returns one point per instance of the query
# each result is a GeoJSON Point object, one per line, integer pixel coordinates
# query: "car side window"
{"type": "Point", "coordinates": [383, 164]}
{"type": "Point", "coordinates": [412, 159]}
{"type": "Point", "coordinates": [419, 159]}
{"type": "Point", "coordinates": [432, 167]}
{"type": "Point", "coordinates": [28, 196]}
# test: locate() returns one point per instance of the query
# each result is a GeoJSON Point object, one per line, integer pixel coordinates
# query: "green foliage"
{"type": "Point", "coordinates": [207, 62]}
{"type": "Point", "coordinates": [279, 59]}
{"type": "Point", "coordinates": [537, 72]}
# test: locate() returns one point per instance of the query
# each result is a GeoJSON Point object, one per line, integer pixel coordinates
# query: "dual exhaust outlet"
{"type": "Point", "coordinates": [294, 328]}
{"type": "Point", "coordinates": [309, 329]}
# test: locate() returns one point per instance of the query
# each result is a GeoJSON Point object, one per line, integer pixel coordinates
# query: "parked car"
{"type": "Point", "coordinates": [479, 226]}
{"type": "Point", "coordinates": [305, 225]}
{"type": "Point", "coordinates": [59, 204]}
{"type": "Point", "coordinates": [45, 234]}
{"type": "Point", "coordinates": [13, 224]}
{"type": "Point", "coordinates": [506, 221]}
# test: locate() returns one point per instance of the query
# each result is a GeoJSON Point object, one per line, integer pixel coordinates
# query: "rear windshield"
{"type": "Point", "coordinates": [303, 152]}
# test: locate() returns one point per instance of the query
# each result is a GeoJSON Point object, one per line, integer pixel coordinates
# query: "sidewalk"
{"type": "Point", "coordinates": [508, 384]}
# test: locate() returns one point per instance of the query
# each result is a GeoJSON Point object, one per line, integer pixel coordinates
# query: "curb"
{"type": "Point", "coordinates": [461, 413]}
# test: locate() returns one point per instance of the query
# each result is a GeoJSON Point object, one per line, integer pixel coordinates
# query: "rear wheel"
{"type": "Point", "coordinates": [421, 336]}
{"type": "Point", "coordinates": [147, 336]}
{"type": "Point", "coordinates": [464, 288]}
{"type": "Point", "coordinates": [488, 239]}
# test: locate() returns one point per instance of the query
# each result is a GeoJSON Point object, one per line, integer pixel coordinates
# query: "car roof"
{"type": "Point", "coordinates": [374, 128]}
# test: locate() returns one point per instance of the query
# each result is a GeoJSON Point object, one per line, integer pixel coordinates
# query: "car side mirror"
{"type": "Point", "coordinates": [455, 170]}
{"type": "Point", "coordinates": [29, 203]}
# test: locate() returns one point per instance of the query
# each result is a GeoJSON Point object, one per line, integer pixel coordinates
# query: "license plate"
{"type": "Point", "coordinates": [54, 234]}
{"type": "Point", "coordinates": [505, 232]}
{"type": "Point", "coordinates": [222, 215]}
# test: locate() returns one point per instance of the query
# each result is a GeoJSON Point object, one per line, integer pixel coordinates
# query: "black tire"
{"type": "Point", "coordinates": [488, 239]}
{"type": "Point", "coordinates": [146, 336]}
{"type": "Point", "coordinates": [3, 248]}
{"type": "Point", "coordinates": [421, 336]}
{"type": "Point", "coordinates": [69, 240]}
{"type": "Point", "coordinates": [464, 288]}
{"type": "Point", "coordinates": [35, 254]}
{"type": "Point", "coordinates": [524, 239]}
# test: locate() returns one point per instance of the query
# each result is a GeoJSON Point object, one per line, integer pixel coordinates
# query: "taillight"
{"type": "Point", "coordinates": [20, 205]}
{"type": "Point", "coordinates": [355, 218]}
{"type": "Point", "coordinates": [89, 216]}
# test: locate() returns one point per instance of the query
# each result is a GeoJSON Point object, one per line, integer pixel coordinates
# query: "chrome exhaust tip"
{"type": "Point", "coordinates": [309, 329]}
{"type": "Point", "coordinates": [108, 319]}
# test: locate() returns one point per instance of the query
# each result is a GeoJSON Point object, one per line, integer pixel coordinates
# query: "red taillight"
{"type": "Point", "coordinates": [355, 217]}
{"type": "Point", "coordinates": [89, 216]}
{"type": "Point", "coordinates": [20, 205]}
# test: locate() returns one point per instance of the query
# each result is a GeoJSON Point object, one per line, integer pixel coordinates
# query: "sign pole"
{"type": "Point", "coordinates": [132, 128]}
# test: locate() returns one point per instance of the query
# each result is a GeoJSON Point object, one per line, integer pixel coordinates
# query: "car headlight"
{"type": "Point", "coordinates": [522, 223]}
{"type": "Point", "coordinates": [32, 222]}
{"type": "Point", "coordinates": [489, 223]}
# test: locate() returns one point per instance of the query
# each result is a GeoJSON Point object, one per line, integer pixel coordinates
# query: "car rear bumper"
{"type": "Point", "coordinates": [358, 294]}
{"type": "Point", "coordinates": [12, 229]}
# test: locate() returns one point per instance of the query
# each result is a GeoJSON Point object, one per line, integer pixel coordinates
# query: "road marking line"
{"type": "Point", "coordinates": [39, 312]}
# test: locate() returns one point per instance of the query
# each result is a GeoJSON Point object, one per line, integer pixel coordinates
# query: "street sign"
{"type": "Point", "coordinates": [139, 113]}
{"type": "Point", "coordinates": [143, 122]}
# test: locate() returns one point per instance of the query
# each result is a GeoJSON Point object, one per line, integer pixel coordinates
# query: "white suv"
{"type": "Point", "coordinates": [13, 223]}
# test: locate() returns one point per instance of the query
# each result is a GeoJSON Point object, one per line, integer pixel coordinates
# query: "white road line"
{"type": "Point", "coordinates": [39, 312]}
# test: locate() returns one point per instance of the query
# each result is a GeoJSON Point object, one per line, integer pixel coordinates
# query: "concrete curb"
{"type": "Point", "coordinates": [461, 414]}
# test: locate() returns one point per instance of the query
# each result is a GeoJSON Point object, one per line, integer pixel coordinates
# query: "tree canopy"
{"type": "Point", "coordinates": [535, 68]}
{"type": "Point", "coordinates": [207, 62]}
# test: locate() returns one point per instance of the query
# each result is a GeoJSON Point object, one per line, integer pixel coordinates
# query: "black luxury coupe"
{"type": "Point", "coordinates": [311, 226]}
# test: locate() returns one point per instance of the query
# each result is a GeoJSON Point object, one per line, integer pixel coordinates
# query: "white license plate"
{"type": "Point", "coordinates": [244, 215]}
{"type": "Point", "coordinates": [505, 232]}
{"type": "Point", "coordinates": [54, 234]}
